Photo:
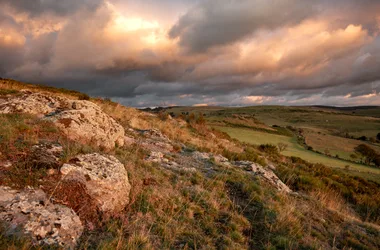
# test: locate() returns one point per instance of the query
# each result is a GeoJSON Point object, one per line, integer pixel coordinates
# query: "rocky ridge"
{"type": "Point", "coordinates": [103, 177]}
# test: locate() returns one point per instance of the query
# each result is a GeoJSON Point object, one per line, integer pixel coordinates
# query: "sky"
{"type": "Point", "coordinates": [145, 53]}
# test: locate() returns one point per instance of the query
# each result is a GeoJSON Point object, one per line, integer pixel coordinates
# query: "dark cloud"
{"type": "Point", "coordinates": [286, 59]}
{"type": "Point", "coordinates": [220, 22]}
{"type": "Point", "coordinates": [65, 7]}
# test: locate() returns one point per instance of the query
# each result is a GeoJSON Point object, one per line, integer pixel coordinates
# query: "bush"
{"type": "Point", "coordinates": [83, 97]}
{"type": "Point", "coordinates": [282, 146]}
{"type": "Point", "coordinates": [269, 149]}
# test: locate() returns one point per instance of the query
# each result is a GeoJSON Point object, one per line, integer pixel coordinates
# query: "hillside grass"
{"type": "Point", "coordinates": [215, 208]}
{"type": "Point", "coordinates": [331, 120]}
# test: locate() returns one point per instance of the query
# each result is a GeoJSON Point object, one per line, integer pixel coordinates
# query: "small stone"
{"type": "Point", "coordinates": [52, 171]}
{"type": "Point", "coordinates": [6, 164]}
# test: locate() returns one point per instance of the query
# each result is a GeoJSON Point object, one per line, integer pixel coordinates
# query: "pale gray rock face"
{"type": "Point", "coordinates": [219, 159]}
{"type": "Point", "coordinates": [201, 155]}
{"type": "Point", "coordinates": [264, 173]}
{"type": "Point", "coordinates": [105, 178]}
{"type": "Point", "coordinates": [159, 157]}
{"type": "Point", "coordinates": [44, 222]}
{"type": "Point", "coordinates": [79, 120]}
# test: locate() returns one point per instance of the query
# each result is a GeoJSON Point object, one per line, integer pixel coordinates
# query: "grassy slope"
{"type": "Point", "coordinates": [329, 120]}
{"type": "Point", "coordinates": [227, 209]}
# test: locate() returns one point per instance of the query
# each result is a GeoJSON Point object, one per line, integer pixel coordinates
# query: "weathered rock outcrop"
{"type": "Point", "coordinates": [219, 159]}
{"type": "Point", "coordinates": [44, 222]}
{"type": "Point", "coordinates": [104, 177]}
{"type": "Point", "coordinates": [266, 174]}
{"type": "Point", "coordinates": [79, 120]}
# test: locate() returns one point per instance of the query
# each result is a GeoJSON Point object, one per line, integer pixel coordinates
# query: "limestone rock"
{"type": "Point", "coordinates": [88, 122]}
{"type": "Point", "coordinates": [44, 222]}
{"type": "Point", "coordinates": [104, 177]}
{"type": "Point", "coordinates": [158, 157]}
{"type": "Point", "coordinates": [221, 160]}
{"type": "Point", "coordinates": [79, 120]}
{"type": "Point", "coordinates": [155, 134]}
{"type": "Point", "coordinates": [32, 103]}
{"type": "Point", "coordinates": [266, 174]}
{"type": "Point", "coordinates": [201, 155]}
{"type": "Point", "coordinates": [155, 156]}
{"type": "Point", "coordinates": [155, 141]}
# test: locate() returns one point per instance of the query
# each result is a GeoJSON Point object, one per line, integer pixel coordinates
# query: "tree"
{"type": "Point", "coordinates": [282, 146]}
{"type": "Point", "coordinates": [367, 153]}
{"type": "Point", "coordinates": [362, 138]}
{"type": "Point", "coordinates": [377, 161]}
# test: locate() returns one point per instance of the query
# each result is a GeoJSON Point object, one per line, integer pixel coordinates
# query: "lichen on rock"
{"type": "Point", "coordinates": [104, 177]}
{"type": "Point", "coordinates": [38, 218]}
{"type": "Point", "coordinates": [79, 120]}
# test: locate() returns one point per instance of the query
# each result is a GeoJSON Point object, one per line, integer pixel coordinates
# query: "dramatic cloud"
{"type": "Point", "coordinates": [220, 22]}
{"type": "Point", "coordinates": [185, 52]}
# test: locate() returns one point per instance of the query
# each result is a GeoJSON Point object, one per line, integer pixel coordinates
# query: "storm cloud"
{"type": "Point", "coordinates": [225, 52]}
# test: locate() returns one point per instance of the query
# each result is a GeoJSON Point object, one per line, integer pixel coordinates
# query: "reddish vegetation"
{"type": "Point", "coordinates": [74, 195]}
{"type": "Point", "coordinates": [65, 121]}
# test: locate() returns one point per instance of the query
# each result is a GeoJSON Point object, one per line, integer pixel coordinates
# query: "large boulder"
{"type": "Point", "coordinates": [104, 178]}
{"type": "Point", "coordinates": [264, 173]}
{"type": "Point", "coordinates": [79, 120]}
{"type": "Point", "coordinates": [29, 213]}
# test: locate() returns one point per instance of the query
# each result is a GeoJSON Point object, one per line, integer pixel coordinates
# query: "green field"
{"type": "Point", "coordinates": [332, 121]}
{"type": "Point", "coordinates": [294, 149]}
{"type": "Point", "coordinates": [329, 130]}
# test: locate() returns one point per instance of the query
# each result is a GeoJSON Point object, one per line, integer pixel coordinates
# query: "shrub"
{"type": "Point", "coordinates": [269, 149]}
{"type": "Point", "coordinates": [282, 146]}
{"type": "Point", "coordinates": [83, 97]}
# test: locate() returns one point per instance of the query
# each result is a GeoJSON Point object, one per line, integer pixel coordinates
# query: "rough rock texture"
{"type": "Point", "coordinates": [202, 156]}
{"type": "Point", "coordinates": [158, 157]}
{"type": "Point", "coordinates": [46, 155]}
{"type": "Point", "coordinates": [155, 134]}
{"type": "Point", "coordinates": [46, 223]}
{"type": "Point", "coordinates": [221, 160]}
{"type": "Point", "coordinates": [266, 174]}
{"type": "Point", "coordinates": [32, 103]}
{"type": "Point", "coordinates": [78, 119]}
{"type": "Point", "coordinates": [105, 178]}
